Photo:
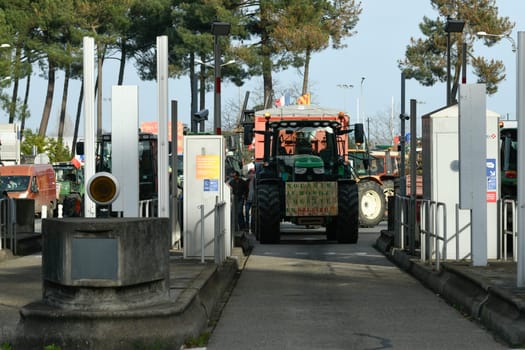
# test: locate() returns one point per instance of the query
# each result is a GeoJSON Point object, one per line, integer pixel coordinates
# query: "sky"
{"type": "Point", "coordinates": [369, 63]}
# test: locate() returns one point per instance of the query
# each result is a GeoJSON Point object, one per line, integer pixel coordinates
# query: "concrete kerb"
{"type": "Point", "coordinates": [499, 311]}
{"type": "Point", "coordinates": [5, 254]}
{"type": "Point", "coordinates": [186, 317]}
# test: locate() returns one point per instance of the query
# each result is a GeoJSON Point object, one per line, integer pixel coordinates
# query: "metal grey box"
{"type": "Point", "coordinates": [105, 252]}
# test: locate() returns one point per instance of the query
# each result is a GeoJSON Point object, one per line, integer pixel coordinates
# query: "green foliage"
{"type": "Point", "coordinates": [425, 58]}
{"type": "Point", "coordinates": [266, 36]}
{"type": "Point", "coordinates": [52, 347]}
{"type": "Point", "coordinates": [54, 148]}
{"type": "Point", "coordinates": [5, 346]}
{"type": "Point", "coordinates": [200, 341]}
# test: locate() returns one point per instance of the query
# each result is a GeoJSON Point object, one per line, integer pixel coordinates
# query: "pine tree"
{"type": "Point", "coordinates": [426, 58]}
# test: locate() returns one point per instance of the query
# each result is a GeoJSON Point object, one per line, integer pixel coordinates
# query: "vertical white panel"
{"type": "Point", "coordinates": [89, 120]}
{"type": "Point", "coordinates": [492, 187]}
{"type": "Point", "coordinates": [472, 149]}
{"type": "Point", "coordinates": [162, 107]}
{"type": "Point", "coordinates": [125, 148]}
{"type": "Point", "coordinates": [520, 116]}
{"type": "Point", "coordinates": [473, 165]}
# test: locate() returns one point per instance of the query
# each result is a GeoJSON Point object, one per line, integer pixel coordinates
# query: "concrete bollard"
{"type": "Point", "coordinates": [60, 211]}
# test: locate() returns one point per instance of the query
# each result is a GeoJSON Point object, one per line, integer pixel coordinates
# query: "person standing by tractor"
{"type": "Point", "coordinates": [249, 198]}
{"type": "Point", "coordinates": [240, 193]}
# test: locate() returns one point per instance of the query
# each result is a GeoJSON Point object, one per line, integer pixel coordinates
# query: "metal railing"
{"type": "Point", "coordinates": [148, 208]}
{"type": "Point", "coordinates": [401, 225]}
{"type": "Point", "coordinates": [509, 221]}
{"type": "Point", "coordinates": [433, 220]}
{"type": "Point", "coordinates": [218, 233]}
{"type": "Point", "coordinates": [431, 224]}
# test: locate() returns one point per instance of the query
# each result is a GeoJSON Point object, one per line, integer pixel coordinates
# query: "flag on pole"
{"type": "Point", "coordinates": [304, 99]}
{"type": "Point", "coordinates": [280, 102]}
{"type": "Point", "coordinates": [76, 162]}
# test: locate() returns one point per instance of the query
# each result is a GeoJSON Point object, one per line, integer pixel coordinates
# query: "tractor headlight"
{"type": "Point", "coordinates": [318, 171]}
{"type": "Point", "coordinates": [300, 171]}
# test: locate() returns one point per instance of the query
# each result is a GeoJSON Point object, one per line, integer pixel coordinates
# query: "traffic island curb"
{"type": "Point", "coordinates": [500, 312]}
{"type": "Point", "coordinates": [168, 324]}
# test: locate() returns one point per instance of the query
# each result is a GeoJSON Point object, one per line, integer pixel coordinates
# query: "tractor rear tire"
{"type": "Point", "coordinates": [372, 203]}
{"type": "Point", "coordinates": [347, 224]}
{"type": "Point", "coordinates": [268, 213]}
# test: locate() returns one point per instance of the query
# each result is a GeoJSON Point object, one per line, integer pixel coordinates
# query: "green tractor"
{"type": "Point", "coordinates": [70, 188]}
{"type": "Point", "coordinates": [302, 174]}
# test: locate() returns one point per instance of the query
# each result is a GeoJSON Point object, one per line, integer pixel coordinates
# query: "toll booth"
{"type": "Point", "coordinates": [204, 187]}
{"type": "Point", "coordinates": [441, 182]}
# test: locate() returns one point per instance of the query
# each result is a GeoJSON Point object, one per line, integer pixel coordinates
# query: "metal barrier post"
{"type": "Point", "coordinates": [3, 221]}
{"type": "Point", "coordinates": [397, 225]}
{"type": "Point", "coordinates": [514, 232]}
{"type": "Point", "coordinates": [216, 233]}
{"type": "Point", "coordinates": [505, 231]}
{"type": "Point", "coordinates": [457, 230]}
{"type": "Point", "coordinates": [402, 223]}
{"type": "Point", "coordinates": [424, 217]}
{"type": "Point", "coordinates": [201, 207]}
{"type": "Point", "coordinates": [412, 224]}
{"type": "Point", "coordinates": [11, 223]}
{"type": "Point", "coordinates": [444, 236]}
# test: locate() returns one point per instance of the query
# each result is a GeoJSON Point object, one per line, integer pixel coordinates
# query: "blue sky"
{"type": "Point", "coordinates": [384, 31]}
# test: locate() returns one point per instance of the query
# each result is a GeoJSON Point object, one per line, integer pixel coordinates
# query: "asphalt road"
{"type": "Point", "coordinates": [307, 293]}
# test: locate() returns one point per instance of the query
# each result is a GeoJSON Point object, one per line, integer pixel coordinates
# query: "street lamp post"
{"type": "Point", "coordinates": [513, 43]}
{"type": "Point", "coordinates": [218, 29]}
{"type": "Point", "coordinates": [452, 26]}
{"type": "Point", "coordinates": [345, 86]}
{"type": "Point", "coordinates": [360, 100]}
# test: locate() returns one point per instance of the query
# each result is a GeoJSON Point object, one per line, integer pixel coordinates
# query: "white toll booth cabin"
{"type": "Point", "coordinates": [441, 180]}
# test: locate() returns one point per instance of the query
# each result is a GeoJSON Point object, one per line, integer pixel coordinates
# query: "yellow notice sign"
{"type": "Point", "coordinates": [208, 167]}
{"type": "Point", "coordinates": [311, 199]}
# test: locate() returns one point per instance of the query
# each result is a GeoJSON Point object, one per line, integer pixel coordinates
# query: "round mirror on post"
{"type": "Point", "coordinates": [103, 188]}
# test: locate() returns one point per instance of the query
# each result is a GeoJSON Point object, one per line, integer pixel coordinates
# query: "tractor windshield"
{"type": "Point", "coordinates": [306, 140]}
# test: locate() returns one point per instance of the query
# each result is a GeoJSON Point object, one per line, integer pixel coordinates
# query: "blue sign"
{"type": "Point", "coordinates": [211, 185]}
{"type": "Point", "coordinates": [492, 183]}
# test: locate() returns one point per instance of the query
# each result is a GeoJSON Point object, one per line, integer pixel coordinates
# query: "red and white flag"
{"type": "Point", "coordinates": [280, 102]}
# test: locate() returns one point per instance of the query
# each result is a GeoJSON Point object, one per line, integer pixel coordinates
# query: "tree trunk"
{"type": "Point", "coordinates": [306, 71]}
{"type": "Point", "coordinates": [24, 106]}
{"type": "Point", "coordinates": [193, 85]}
{"type": "Point", "coordinates": [64, 105]}
{"type": "Point", "coordinates": [202, 85]}
{"type": "Point", "coordinates": [49, 99]}
{"type": "Point", "coordinates": [266, 15]}
{"type": "Point", "coordinates": [77, 119]}
{"type": "Point", "coordinates": [267, 70]}
{"type": "Point", "coordinates": [122, 65]}
{"type": "Point", "coordinates": [100, 56]}
{"type": "Point", "coordinates": [14, 97]}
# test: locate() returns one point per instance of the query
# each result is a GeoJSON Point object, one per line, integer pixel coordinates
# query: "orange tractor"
{"type": "Point", "coordinates": [376, 172]}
